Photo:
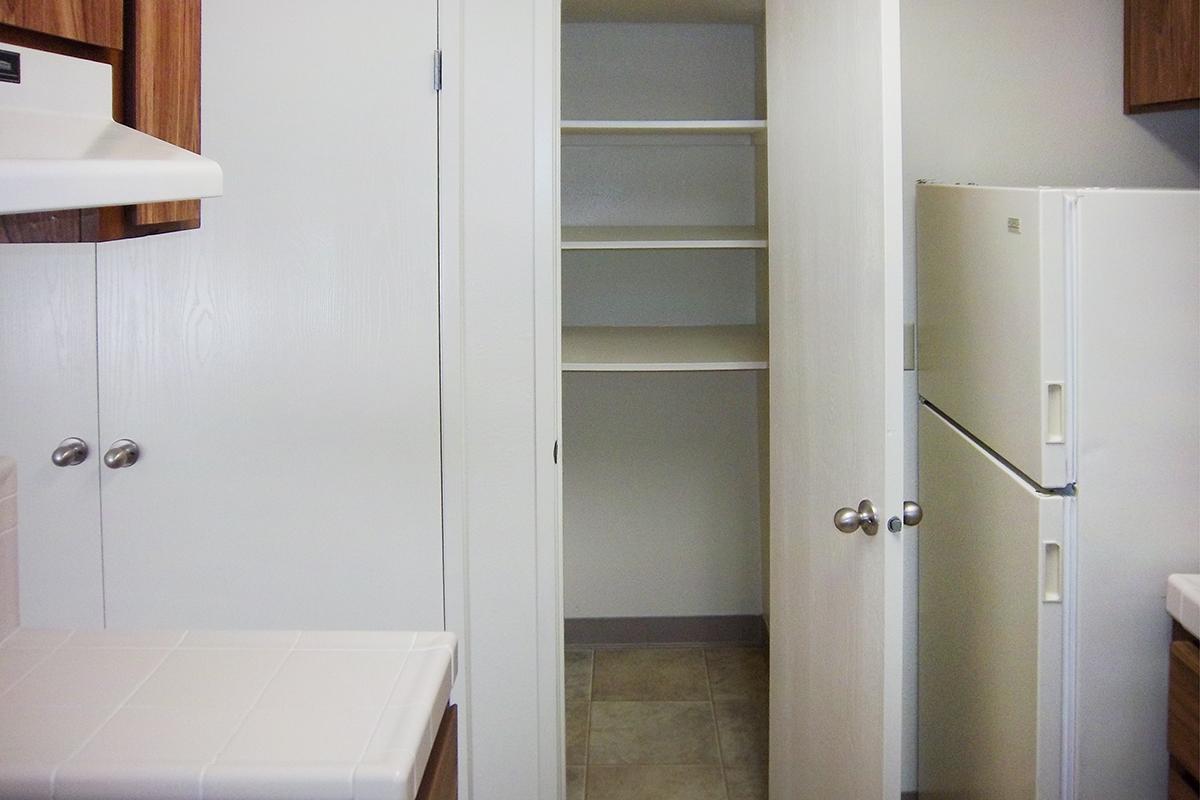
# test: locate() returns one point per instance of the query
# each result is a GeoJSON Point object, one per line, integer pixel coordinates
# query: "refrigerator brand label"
{"type": "Point", "coordinates": [1014, 224]}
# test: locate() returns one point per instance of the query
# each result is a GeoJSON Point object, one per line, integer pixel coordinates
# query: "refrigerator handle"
{"type": "Point", "coordinates": [1051, 572]}
{"type": "Point", "coordinates": [1056, 414]}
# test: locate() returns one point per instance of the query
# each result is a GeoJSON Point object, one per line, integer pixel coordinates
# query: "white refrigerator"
{"type": "Point", "coordinates": [1058, 357]}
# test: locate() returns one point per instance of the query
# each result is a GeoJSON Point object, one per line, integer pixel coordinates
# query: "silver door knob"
{"type": "Point", "coordinates": [69, 453]}
{"type": "Point", "coordinates": [866, 517]}
{"type": "Point", "coordinates": [123, 453]}
{"type": "Point", "coordinates": [913, 513]}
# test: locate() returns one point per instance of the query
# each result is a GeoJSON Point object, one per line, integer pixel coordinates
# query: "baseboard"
{"type": "Point", "coordinates": [908, 796]}
{"type": "Point", "coordinates": [747, 629]}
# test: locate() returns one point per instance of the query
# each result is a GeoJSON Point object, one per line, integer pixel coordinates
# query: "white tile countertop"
{"type": "Point", "coordinates": [211, 715]}
{"type": "Point", "coordinates": [1183, 601]}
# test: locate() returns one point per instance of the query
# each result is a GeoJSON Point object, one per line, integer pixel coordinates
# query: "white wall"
{"type": "Point", "coordinates": [660, 485]}
{"type": "Point", "coordinates": [1021, 92]}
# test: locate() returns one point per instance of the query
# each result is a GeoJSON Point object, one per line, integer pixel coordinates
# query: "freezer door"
{"type": "Point", "coordinates": [990, 614]}
{"type": "Point", "coordinates": [992, 332]}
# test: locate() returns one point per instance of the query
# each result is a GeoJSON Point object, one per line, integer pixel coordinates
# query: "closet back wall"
{"type": "Point", "coordinates": [661, 501]}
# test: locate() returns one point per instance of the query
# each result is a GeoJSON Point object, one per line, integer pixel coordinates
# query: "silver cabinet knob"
{"type": "Point", "coordinates": [866, 517]}
{"type": "Point", "coordinates": [913, 513]}
{"type": "Point", "coordinates": [123, 453]}
{"type": "Point", "coordinates": [70, 452]}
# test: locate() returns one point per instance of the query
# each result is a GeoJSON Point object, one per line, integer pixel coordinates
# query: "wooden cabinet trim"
{"type": "Point", "coordinates": [440, 781]}
{"type": "Point", "coordinates": [93, 22]}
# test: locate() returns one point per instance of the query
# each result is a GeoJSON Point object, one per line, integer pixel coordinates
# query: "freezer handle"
{"type": "Point", "coordinates": [1051, 572]}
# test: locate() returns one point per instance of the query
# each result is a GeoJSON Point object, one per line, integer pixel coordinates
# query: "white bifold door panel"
{"type": "Point", "coordinates": [836, 397]}
{"type": "Point", "coordinates": [992, 565]}
{"type": "Point", "coordinates": [992, 261]}
{"type": "Point", "coordinates": [47, 394]}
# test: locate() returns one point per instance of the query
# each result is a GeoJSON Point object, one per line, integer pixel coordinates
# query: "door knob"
{"type": "Point", "coordinates": [913, 514]}
{"type": "Point", "coordinates": [848, 520]}
{"type": "Point", "coordinates": [70, 452]}
{"type": "Point", "coordinates": [123, 453]}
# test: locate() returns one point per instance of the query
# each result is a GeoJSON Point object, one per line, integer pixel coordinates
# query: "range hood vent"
{"type": "Point", "coordinates": [60, 148]}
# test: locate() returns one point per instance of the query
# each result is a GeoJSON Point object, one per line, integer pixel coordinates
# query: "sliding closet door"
{"type": "Point", "coordinates": [278, 368]}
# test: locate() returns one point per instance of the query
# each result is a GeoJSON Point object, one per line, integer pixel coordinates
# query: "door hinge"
{"type": "Point", "coordinates": [555, 452]}
{"type": "Point", "coordinates": [437, 70]}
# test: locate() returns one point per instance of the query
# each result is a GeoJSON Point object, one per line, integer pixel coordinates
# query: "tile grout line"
{"type": "Point", "coordinates": [712, 706]}
{"type": "Point", "coordinates": [383, 711]}
{"type": "Point", "coordinates": [49, 652]}
{"type": "Point", "coordinates": [242, 722]}
{"type": "Point", "coordinates": [121, 705]}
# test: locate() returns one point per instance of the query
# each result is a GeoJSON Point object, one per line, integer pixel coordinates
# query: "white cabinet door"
{"type": "Point", "coordinates": [279, 366]}
{"type": "Point", "coordinates": [47, 394]}
{"type": "Point", "coordinates": [837, 377]}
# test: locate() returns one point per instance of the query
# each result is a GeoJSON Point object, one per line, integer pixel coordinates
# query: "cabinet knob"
{"type": "Point", "coordinates": [70, 452]}
{"type": "Point", "coordinates": [122, 453]}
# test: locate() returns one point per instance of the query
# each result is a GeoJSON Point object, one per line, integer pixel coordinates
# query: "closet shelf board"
{"type": "Point", "coordinates": [656, 126]}
{"type": "Point", "coordinates": [663, 238]}
{"type": "Point", "coordinates": [663, 349]}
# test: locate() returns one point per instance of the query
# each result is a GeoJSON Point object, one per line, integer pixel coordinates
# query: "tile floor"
{"type": "Point", "coordinates": [679, 723]}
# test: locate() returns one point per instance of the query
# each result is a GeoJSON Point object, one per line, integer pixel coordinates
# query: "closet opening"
{"type": "Point", "coordinates": [664, 398]}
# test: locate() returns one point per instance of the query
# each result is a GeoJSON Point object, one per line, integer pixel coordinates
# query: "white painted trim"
{"type": "Point", "coordinates": [532, 599]}
{"type": "Point", "coordinates": [547, 153]}
{"type": "Point", "coordinates": [454, 472]}
{"type": "Point", "coordinates": [893, 385]}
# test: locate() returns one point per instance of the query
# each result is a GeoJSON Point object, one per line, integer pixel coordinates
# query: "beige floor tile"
{"type": "Point", "coordinates": [577, 732]}
{"type": "Point", "coordinates": [576, 782]}
{"type": "Point", "coordinates": [737, 673]}
{"type": "Point", "coordinates": [655, 782]}
{"type": "Point", "coordinates": [747, 783]}
{"type": "Point", "coordinates": [652, 732]}
{"type": "Point", "coordinates": [579, 674]}
{"type": "Point", "coordinates": [742, 725]}
{"type": "Point", "coordinates": [650, 674]}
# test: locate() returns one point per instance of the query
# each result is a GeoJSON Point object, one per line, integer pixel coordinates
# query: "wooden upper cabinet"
{"type": "Point", "coordinates": [1162, 55]}
{"type": "Point", "coordinates": [97, 22]}
{"type": "Point", "coordinates": [164, 101]}
{"type": "Point", "coordinates": [153, 47]}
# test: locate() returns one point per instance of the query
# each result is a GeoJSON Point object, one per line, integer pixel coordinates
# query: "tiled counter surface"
{"type": "Point", "coordinates": [220, 715]}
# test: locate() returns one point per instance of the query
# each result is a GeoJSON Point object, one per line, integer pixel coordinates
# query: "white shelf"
{"type": "Point", "coordinates": [735, 11]}
{"type": "Point", "coordinates": [656, 126]}
{"type": "Point", "coordinates": [663, 349]}
{"type": "Point", "coordinates": [663, 238]}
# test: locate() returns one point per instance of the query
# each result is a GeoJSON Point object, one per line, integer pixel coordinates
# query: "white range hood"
{"type": "Point", "coordinates": [61, 149]}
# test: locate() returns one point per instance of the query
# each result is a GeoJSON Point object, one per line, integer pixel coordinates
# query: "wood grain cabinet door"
{"type": "Point", "coordinates": [1162, 54]}
{"type": "Point", "coordinates": [279, 366]}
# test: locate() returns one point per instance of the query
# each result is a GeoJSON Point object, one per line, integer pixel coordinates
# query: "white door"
{"type": "Point", "coordinates": [279, 367]}
{"type": "Point", "coordinates": [48, 394]}
{"type": "Point", "coordinates": [992, 567]}
{"type": "Point", "coordinates": [837, 335]}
